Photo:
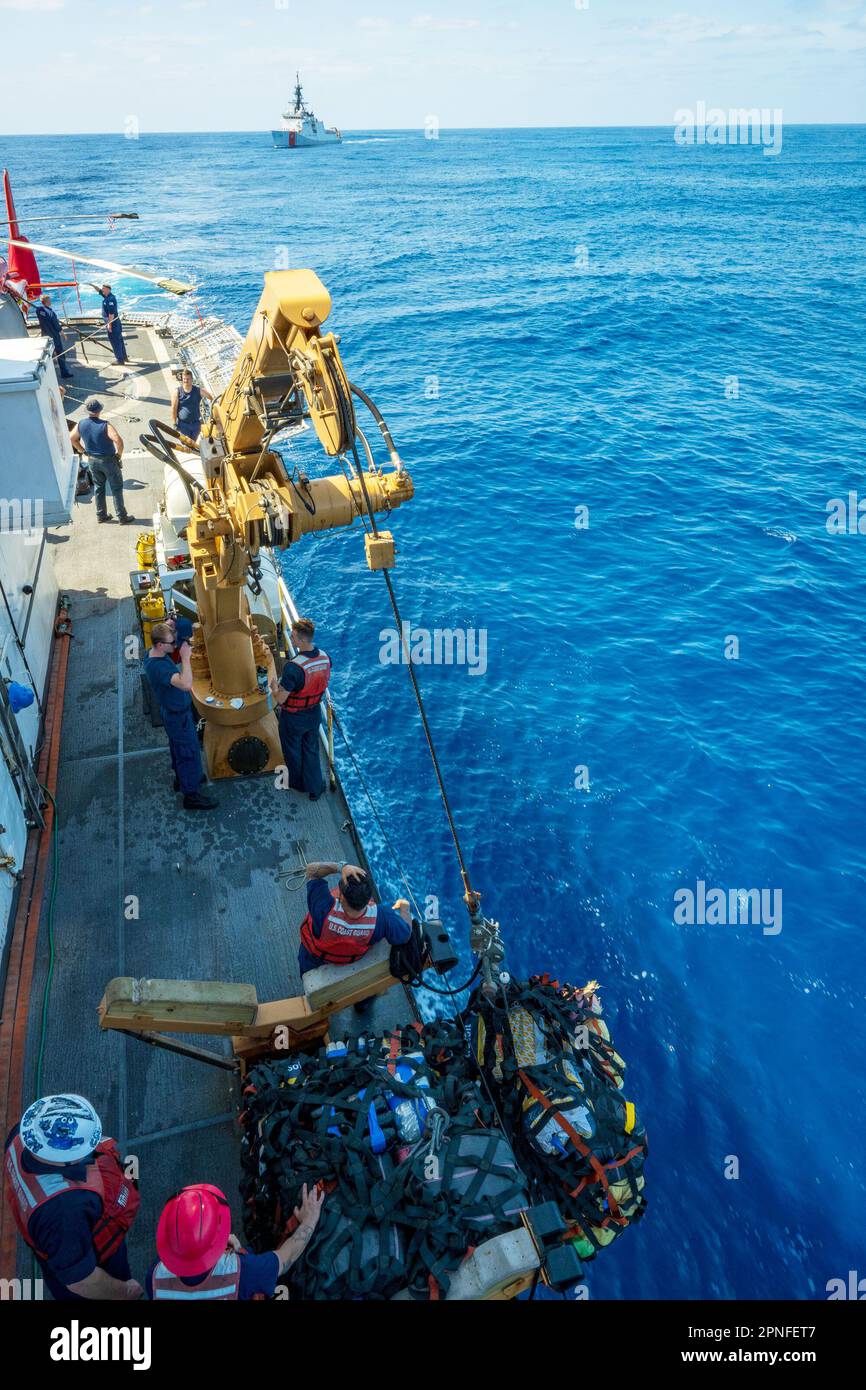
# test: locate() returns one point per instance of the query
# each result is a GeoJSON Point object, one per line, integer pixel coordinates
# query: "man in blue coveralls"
{"type": "Point", "coordinates": [103, 446]}
{"type": "Point", "coordinates": [344, 922]}
{"type": "Point", "coordinates": [49, 326]}
{"type": "Point", "coordinates": [171, 684]}
{"type": "Point", "coordinates": [199, 1258]}
{"type": "Point", "coordinates": [298, 695]}
{"type": "Point", "coordinates": [111, 315]}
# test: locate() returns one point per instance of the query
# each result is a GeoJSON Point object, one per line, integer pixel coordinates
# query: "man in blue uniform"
{"type": "Point", "coordinates": [199, 1258]}
{"type": "Point", "coordinates": [171, 684]}
{"type": "Point", "coordinates": [298, 695]}
{"type": "Point", "coordinates": [71, 1200]}
{"type": "Point", "coordinates": [111, 315]}
{"type": "Point", "coordinates": [343, 923]}
{"type": "Point", "coordinates": [103, 446]}
{"type": "Point", "coordinates": [49, 326]}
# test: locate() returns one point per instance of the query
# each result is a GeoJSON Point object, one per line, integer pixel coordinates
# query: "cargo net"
{"type": "Point", "coordinates": [557, 1080]}
{"type": "Point", "coordinates": [415, 1170]}
{"type": "Point", "coordinates": [425, 1151]}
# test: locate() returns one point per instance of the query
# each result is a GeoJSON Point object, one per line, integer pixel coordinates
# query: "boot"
{"type": "Point", "coordinates": [197, 801]}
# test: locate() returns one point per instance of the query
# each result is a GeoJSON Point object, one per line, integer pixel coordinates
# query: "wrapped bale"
{"type": "Point", "coordinates": [547, 1056]}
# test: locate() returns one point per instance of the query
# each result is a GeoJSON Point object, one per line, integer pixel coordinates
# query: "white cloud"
{"type": "Point", "coordinates": [374, 22]}
{"type": "Point", "coordinates": [429, 21]}
{"type": "Point", "coordinates": [32, 4]}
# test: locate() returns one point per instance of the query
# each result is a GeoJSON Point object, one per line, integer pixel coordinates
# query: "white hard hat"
{"type": "Point", "coordinates": [61, 1129]}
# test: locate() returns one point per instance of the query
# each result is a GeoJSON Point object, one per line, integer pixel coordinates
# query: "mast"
{"type": "Point", "coordinates": [299, 96]}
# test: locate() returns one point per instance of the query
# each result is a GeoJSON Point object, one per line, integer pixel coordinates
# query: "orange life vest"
{"type": "Point", "coordinates": [317, 673]}
{"type": "Point", "coordinates": [342, 939]}
{"type": "Point", "coordinates": [104, 1175]}
{"type": "Point", "coordinates": [224, 1281]}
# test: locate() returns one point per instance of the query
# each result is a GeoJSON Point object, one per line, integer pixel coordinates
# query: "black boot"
{"type": "Point", "coordinates": [197, 801]}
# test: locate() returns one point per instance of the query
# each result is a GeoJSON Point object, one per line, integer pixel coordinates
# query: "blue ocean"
{"type": "Point", "coordinates": [627, 378]}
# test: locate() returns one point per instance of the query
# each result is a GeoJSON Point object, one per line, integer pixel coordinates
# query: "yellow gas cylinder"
{"type": "Point", "coordinates": [152, 610]}
{"type": "Point", "coordinates": [146, 550]}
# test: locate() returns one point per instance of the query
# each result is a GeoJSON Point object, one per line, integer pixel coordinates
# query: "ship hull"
{"type": "Point", "coordinates": [292, 139]}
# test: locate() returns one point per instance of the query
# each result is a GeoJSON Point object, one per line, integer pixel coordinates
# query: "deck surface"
{"type": "Point", "coordinates": [208, 902]}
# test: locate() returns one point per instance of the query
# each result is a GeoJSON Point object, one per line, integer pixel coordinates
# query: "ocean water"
{"type": "Point", "coordinates": [672, 338]}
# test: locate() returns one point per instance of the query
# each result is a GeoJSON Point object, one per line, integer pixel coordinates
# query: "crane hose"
{"type": "Point", "coordinates": [163, 449]}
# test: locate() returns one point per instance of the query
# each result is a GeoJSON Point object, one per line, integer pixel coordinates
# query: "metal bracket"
{"type": "Point", "coordinates": [486, 941]}
{"type": "Point", "coordinates": [198, 1054]}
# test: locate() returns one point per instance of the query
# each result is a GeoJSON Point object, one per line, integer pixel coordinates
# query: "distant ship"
{"type": "Point", "coordinates": [301, 127]}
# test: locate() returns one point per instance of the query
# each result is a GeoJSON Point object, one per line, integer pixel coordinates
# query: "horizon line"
{"type": "Point", "coordinates": [401, 130]}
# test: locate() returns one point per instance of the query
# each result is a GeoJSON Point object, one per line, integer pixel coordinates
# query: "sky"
{"type": "Point", "coordinates": [174, 65]}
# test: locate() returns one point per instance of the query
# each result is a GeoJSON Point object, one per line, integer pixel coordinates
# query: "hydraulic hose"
{"type": "Point", "coordinates": [163, 450]}
{"type": "Point", "coordinates": [379, 418]}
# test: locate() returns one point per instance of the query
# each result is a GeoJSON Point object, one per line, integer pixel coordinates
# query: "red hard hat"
{"type": "Point", "coordinates": [193, 1230]}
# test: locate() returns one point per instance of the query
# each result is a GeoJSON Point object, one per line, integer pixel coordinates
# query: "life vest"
{"type": "Point", "coordinates": [27, 1192]}
{"type": "Point", "coordinates": [317, 673]}
{"type": "Point", "coordinates": [224, 1281]}
{"type": "Point", "coordinates": [342, 939]}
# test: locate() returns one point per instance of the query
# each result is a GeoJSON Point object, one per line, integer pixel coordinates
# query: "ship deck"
{"type": "Point", "coordinates": [144, 888]}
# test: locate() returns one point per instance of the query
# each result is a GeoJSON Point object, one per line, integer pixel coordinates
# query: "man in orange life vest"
{"type": "Point", "coordinates": [200, 1258]}
{"type": "Point", "coordinates": [343, 923]}
{"type": "Point", "coordinates": [71, 1200]}
{"type": "Point", "coordinates": [298, 694]}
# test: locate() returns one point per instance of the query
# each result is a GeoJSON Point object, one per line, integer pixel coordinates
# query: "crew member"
{"type": "Point", "coordinates": [343, 923]}
{"type": "Point", "coordinates": [186, 405]}
{"type": "Point", "coordinates": [111, 315]}
{"type": "Point", "coordinates": [49, 325]}
{"type": "Point", "coordinates": [71, 1200]}
{"type": "Point", "coordinates": [200, 1258]}
{"type": "Point", "coordinates": [171, 686]}
{"type": "Point", "coordinates": [298, 695]}
{"type": "Point", "coordinates": [103, 446]}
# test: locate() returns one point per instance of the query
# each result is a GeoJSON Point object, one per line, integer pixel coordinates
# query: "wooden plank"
{"type": "Point", "coordinates": [333, 987]}
{"type": "Point", "coordinates": [180, 1006]}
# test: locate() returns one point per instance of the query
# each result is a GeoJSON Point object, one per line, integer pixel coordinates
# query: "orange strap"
{"type": "Point", "coordinates": [597, 1167]}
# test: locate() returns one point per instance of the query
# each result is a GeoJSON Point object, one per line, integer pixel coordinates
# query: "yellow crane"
{"type": "Point", "coordinates": [287, 370]}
